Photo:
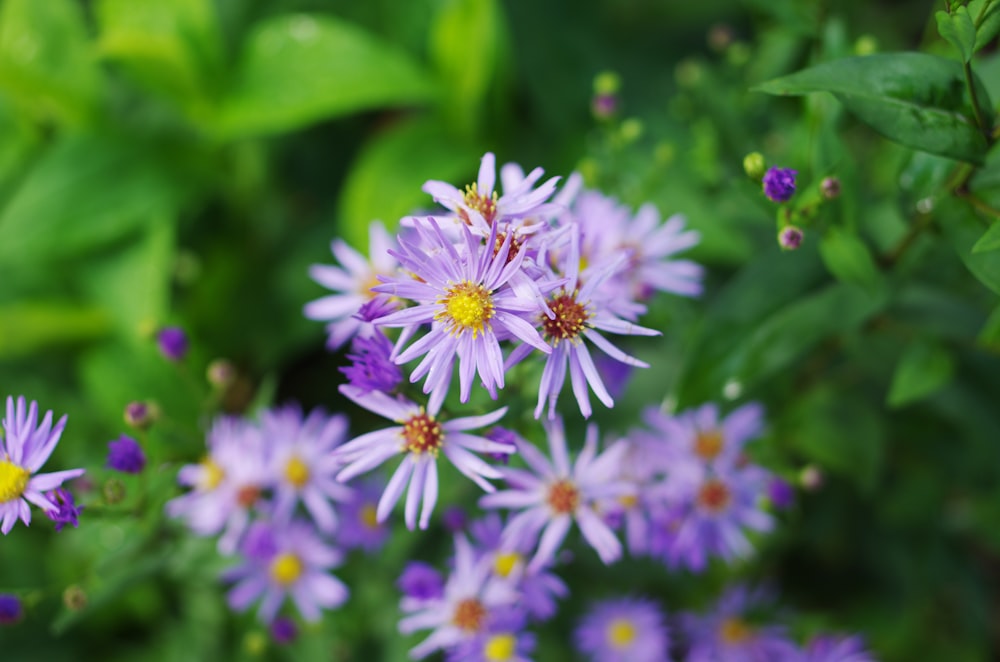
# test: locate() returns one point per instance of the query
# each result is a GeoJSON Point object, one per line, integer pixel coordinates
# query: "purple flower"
{"type": "Point", "coordinates": [23, 450]}
{"type": "Point", "coordinates": [352, 282]}
{"type": "Point", "coordinates": [468, 296]}
{"type": "Point", "coordinates": [502, 640]}
{"type": "Point", "coordinates": [11, 610]}
{"type": "Point", "coordinates": [790, 237]}
{"type": "Point", "coordinates": [727, 633]}
{"type": "Point", "coordinates": [454, 517]}
{"type": "Point", "coordinates": [779, 183]}
{"type": "Point", "coordinates": [421, 581]}
{"type": "Point", "coordinates": [423, 436]}
{"type": "Point", "coordinates": [138, 415]}
{"type": "Point", "coordinates": [286, 561]}
{"type": "Point", "coordinates": [68, 512]}
{"type": "Point", "coordinates": [833, 648]}
{"type": "Point", "coordinates": [126, 455]}
{"type": "Point", "coordinates": [780, 492]}
{"type": "Point", "coordinates": [173, 342]}
{"type": "Point", "coordinates": [359, 527]}
{"type": "Point", "coordinates": [283, 630]}
{"type": "Point", "coordinates": [623, 630]}
{"type": "Point", "coordinates": [556, 494]}
{"type": "Point", "coordinates": [371, 366]}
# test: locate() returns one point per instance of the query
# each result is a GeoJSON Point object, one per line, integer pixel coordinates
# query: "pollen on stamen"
{"type": "Point", "coordinates": [485, 205]}
{"type": "Point", "coordinates": [466, 306]}
{"type": "Point", "coordinates": [13, 481]}
{"type": "Point", "coordinates": [569, 318]}
{"type": "Point", "coordinates": [469, 615]}
{"type": "Point", "coordinates": [734, 631]}
{"type": "Point", "coordinates": [563, 497]}
{"type": "Point", "coordinates": [714, 496]}
{"type": "Point", "coordinates": [422, 434]}
{"type": "Point", "coordinates": [708, 443]}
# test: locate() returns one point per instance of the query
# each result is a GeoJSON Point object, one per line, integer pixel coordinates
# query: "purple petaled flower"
{"type": "Point", "coordinates": [126, 455]}
{"type": "Point", "coordinates": [623, 630]}
{"type": "Point", "coordinates": [68, 512]}
{"type": "Point", "coordinates": [11, 610]}
{"type": "Point", "coordinates": [420, 437]}
{"type": "Point", "coordinates": [372, 368]}
{"type": "Point", "coordinates": [503, 436]}
{"type": "Point", "coordinates": [454, 517]}
{"type": "Point", "coordinates": [556, 494]}
{"type": "Point", "coordinates": [420, 582]}
{"type": "Point", "coordinates": [282, 561]}
{"type": "Point", "coordinates": [471, 595]}
{"type": "Point", "coordinates": [359, 527]}
{"type": "Point", "coordinates": [283, 630]}
{"type": "Point", "coordinates": [352, 283]}
{"type": "Point", "coordinates": [23, 450]}
{"type": "Point", "coordinates": [173, 342]}
{"type": "Point", "coordinates": [779, 183]}
{"type": "Point", "coordinates": [727, 634]}
{"type": "Point", "coordinates": [790, 237]}
{"type": "Point", "coordinates": [834, 648]}
{"type": "Point", "coordinates": [300, 454]}
{"type": "Point", "coordinates": [468, 296]}
{"type": "Point", "coordinates": [502, 640]}
{"type": "Point", "coordinates": [480, 207]}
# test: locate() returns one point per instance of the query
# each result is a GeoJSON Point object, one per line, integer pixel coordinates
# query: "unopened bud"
{"type": "Point", "coordinates": [830, 187]}
{"type": "Point", "coordinates": [866, 45]}
{"type": "Point", "coordinates": [11, 609]}
{"type": "Point", "coordinates": [173, 342]}
{"type": "Point", "coordinates": [114, 491]}
{"type": "Point", "coordinates": [220, 373]}
{"type": "Point", "coordinates": [74, 597]}
{"type": "Point", "coordinates": [631, 129]}
{"type": "Point", "coordinates": [139, 415]}
{"type": "Point", "coordinates": [720, 36]}
{"type": "Point", "coordinates": [811, 478]}
{"type": "Point", "coordinates": [754, 165]}
{"type": "Point", "coordinates": [283, 630]}
{"type": "Point", "coordinates": [607, 83]}
{"type": "Point", "coordinates": [790, 238]}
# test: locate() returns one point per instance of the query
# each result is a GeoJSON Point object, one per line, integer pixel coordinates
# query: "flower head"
{"type": "Point", "coordinates": [420, 582]}
{"type": "Point", "coordinates": [372, 368]}
{"type": "Point", "coordinates": [779, 183]}
{"type": "Point", "coordinates": [359, 527]}
{"type": "Point", "coordinates": [68, 512]}
{"type": "Point", "coordinates": [26, 446]}
{"type": "Point", "coordinates": [728, 633]}
{"type": "Point", "coordinates": [790, 237]}
{"type": "Point", "coordinates": [623, 630]}
{"type": "Point", "coordinates": [833, 648]}
{"type": "Point", "coordinates": [126, 455]}
{"type": "Point", "coordinates": [503, 639]}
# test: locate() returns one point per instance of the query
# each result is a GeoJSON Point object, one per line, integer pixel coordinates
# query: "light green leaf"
{"type": "Point", "coordinates": [988, 23]}
{"type": "Point", "coordinates": [958, 30]}
{"type": "Point", "coordinates": [295, 70]}
{"type": "Point", "coordinates": [989, 336]}
{"type": "Point", "coordinates": [848, 258]}
{"type": "Point", "coordinates": [990, 241]}
{"type": "Point", "coordinates": [30, 327]}
{"type": "Point", "coordinates": [923, 368]}
{"type": "Point", "coordinates": [915, 99]}
{"type": "Point", "coordinates": [46, 61]}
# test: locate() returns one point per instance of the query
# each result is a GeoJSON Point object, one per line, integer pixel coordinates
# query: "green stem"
{"type": "Point", "coordinates": [980, 120]}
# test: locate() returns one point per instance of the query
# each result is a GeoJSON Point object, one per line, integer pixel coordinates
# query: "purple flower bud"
{"type": "Point", "coordinates": [138, 415]}
{"type": "Point", "coordinates": [830, 187]}
{"type": "Point", "coordinates": [173, 342]}
{"type": "Point", "coordinates": [283, 630]}
{"type": "Point", "coordinates": [10, 609]}
{"type": "Point", "coordinates": [371, 367]}
{"type": "Point", "coordinates": [502, 436]}
{"type": "Point", "coordinates": [67, 512]}
{"type": "Point", "coordinates": [126, 455]}
{"type": "Point", "coordinates": [781, 492]}
{"type": "Point", "coordinates": [604, 106]}
{"type": "Point", "coordinates": [420, 580]}
{"type": "Point", "coordinates": [455, 519]}
{"type": "Point", "coordinates": [779, 183]}
{"type": "Point", "coordinates": [378, 306]}
{"type": "Point", "coordinates": [790, 238]}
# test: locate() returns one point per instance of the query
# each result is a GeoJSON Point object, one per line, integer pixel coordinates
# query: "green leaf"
{"type": "Point", "coordinates": [915, 99]}
{"type": "Point", "coordinates": [924, 368]}
{"type": "Point", "coordinates": [964, 229]}
{"type": "Point", "coordinates": [295, 70]}
{"type": "Point", "coordinates": [989, 336]}
{"type": "Point", "coordinates": [958, 30]}
{"type": "Point", "coordinates": [29, 327]}
{"type": "Point", "coordinates": [988, 24]}
{"type": "Point", "coordinates": [990, 241]}
{"type": "Point", "coordinates": [46, 61]}
{"type": "Point", "coordinates": [83, 192]}
{"type": "Point", "coordinates": [848, 258]}
{"type": "Point", "coordinates": [383, 184]}
{"type": "Point", "coordinates": [172, 48]}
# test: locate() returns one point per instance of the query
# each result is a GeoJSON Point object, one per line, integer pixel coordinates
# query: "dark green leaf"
{"type": "Point", "coordinates": [990, 241]}
{"type": "Point", "coordinates": [915, 99]}
{"type": "Point", "coordinates": [923, 368]}
{"type": "Point", "coordinates": [958, 30]}
{"type": "Point", "coordinates": [295, 70]}
{"type": "Point", "coordinates": [989, 336]}
{"type": "Point", "coordinates": [848, 258]}
{"type": "Point", "coordinates": [987, 24]}
{"type": "Point", "coordinates": [964, 229]}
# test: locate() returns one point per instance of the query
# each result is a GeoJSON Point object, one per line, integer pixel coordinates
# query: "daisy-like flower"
{"type": "Point", "coordinates": [359, 528]}
{"type": "Point", "coordinates": [503, 640]}
{"type": "Point", "coordinates": [471, 595]}
{"type": "Point", "coordinates": [623, 630]}
{"type": "Point", "coordinates": [279, 562]}
{"type": "Point", "coordinates": [372, 368]}
{"type": "Point", "coordinates": [467, 294]}
{"type": "Point", "coordinates": [420, 436]}
{"type": "Point", "coordinates": [24, 449]}
{"type": "Point", "coordinates": [300, 455]}
{"type": "Point", "coordinates": [727, 634]}
{"type": "Point", "coordinates": [578, 314]}
{"type": "Point", "coordinates": [352, 282]}
{"type": "Point", "coordinates": [556, 495]}
{"type": "Point", "coordinates": [481, 207]}
{"type": "Point", "coordinates": [831, 648]}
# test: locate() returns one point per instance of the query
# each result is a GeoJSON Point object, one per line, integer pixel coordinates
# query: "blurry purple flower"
{"type": "Point", "coordinates": [833, 648]}
{"type": "Point", "coordinates": [727, 633]}
{"type": "Point", "coordinates": [454, 517]}
{"type": "Point", "coordinates": [283, 630]}
{"type": "Point", "coordinates": [604, 106]}
{"type": "Point", "coordinates": [359, 527]}
{"type": "Point", "coordinates": [68, 512]}
{"type": "Point", "coordinates": [780, 492]}
{"type": "Point", "coordinates": [421, 581]}
{"type": "Point", "coordinates": [615, 374]}
{"type": "Point", "coordinates": [372, 368]}
{"type": "Point", "coordinates": [503, 436]}
{"type": "Point", "coordinates": [790, 237]}
{"type": "Point", "coordinates": [623, 630]}
{"type": "Point", "coordinates": [502, 640]}
{"type": "Point", "coordinates": [173, 342]}
{"type": "Point", "coordinates": [126, 455]}
{"type": "Point", "coordinates": [779, 183]}
{"type": "Point", "coordinates": [11, 610]}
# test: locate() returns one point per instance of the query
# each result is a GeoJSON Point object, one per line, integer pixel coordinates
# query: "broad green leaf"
{"type": "Point", "coordinates": [964, 229]}
{"type": "Point", "coordinates": [915, 99]}
{"type": "Point", "coordinates": [30, 327]}
{"type": "Point", "coordinates": [465, 40]}
{"type": "Point", "coordinates": [83, 192]}
{"type": "Point", "coordinates": [848, 258]}
{"type": "Point", "coordinates": [989, 336]}
{"type": "Point", "coordinates": [990, 241]}
{"type": "Point", "coordinates": [172, 48]}
{"type": "Point", "coordinates": [958, 30]}
{"type": "Point", "coordinates": [383, 184]}
{"type": "Point", "coordinates": [46, 61]}
{"type": "Point", "coordinates": [295, 70]}
{"type": "Point", "coordinates": [923, 368]}
{"type": "Point", "coordinates": [988, 23]}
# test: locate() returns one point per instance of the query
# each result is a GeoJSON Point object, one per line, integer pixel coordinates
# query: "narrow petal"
{"type": "Point", "coordinates": [394, 489]}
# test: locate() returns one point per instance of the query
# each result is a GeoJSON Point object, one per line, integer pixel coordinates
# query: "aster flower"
{"type": "Point", "coordinates": [727, 634]}
{"type": "Point", "coordinates": [832, 648]}
{"type": "Point", "coordinates": [359, 528]}
{"type": "Point", "coordinates": [286, 561]}
{"type": "Point", "coordinates": [67, 512]}
{"type": "Point", "coordinates": [779, 183]}
{"type": "Point", "coordinates": [502, 640]}
{"type": "Point", "coordinates": [300, 455]}
{"type": "Point", "coordinates": [482, 207]}
{"type": "Point", "coordinates": [470, 595]}
{"type": "Point", "coordinates": [11, 610]}
{"type": "Point", "coordinates": [419, 583]}
{"type": "Point", "coordinates": [372, 368]}
{"type": "Point", "coordinates": [352, 282]}
{"type": "Point", "coordinates": [24, 449]}
{"type": "Point", "coordinates": [420, 436]}
{"type": "Point", "coordinates": [556, 494]}
{"type": "Point", "coordinates": [466, 294]}
{"type": "Point", "coordinates": [126, 455]}
{"type": "Point", "coordinates": [577, 315]}
{"type": "Point", "coordinates": [623, 630]}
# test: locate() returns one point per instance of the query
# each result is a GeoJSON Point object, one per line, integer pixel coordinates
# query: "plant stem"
{"type": "Point", "coordinates": [980, 120]}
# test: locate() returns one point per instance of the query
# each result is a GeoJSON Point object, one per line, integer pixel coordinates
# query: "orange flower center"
{"type": "Point", "coordinates": [569, 321]}
{"type": "Point", "coordinates": [563, 497]}
{"type": "Point", "coordinates": [422, 434]}
{"type": "Point", "coordinates": [469, 615]}
{"type": "Point", "coordinates": [714, 496]}
{"type": "Point", "coordinates": [708, 444]}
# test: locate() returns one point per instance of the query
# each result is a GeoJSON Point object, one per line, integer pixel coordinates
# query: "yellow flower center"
{"type": "Point", "coordinates": [708, 444]}
{"type": "Point", "coordinates": [621, 633]}
{"type": "Point", "coordinates": [422, 434]}
{"type": "Point", "coordinates": [211, 475]}
{"type": "Point", "coordinates": [286, 568]}
{"type": "Point", "coordinates": [13, 481]}
{"type": "Point", "coordinates": [297, 472]}
{"type": "Point", "coordinates": [485, 205]}
{"type": "Point", "coordinates": [734, 631]}
{"type": "Point", "coordinates": [628, 501]}
{"type": "Point", "coordinates": [466, 306]}
{"type": "Point", "coordinates": [500, 647]}
{"type": "Point", "coordinates": [504, 563]}
{"type": "Point", "coordinates": [369, 515]}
